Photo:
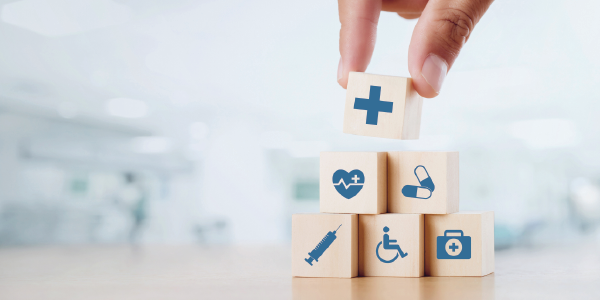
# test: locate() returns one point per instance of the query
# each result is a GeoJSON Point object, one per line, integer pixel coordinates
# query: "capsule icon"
{"type": "Point", "coordinates": [413, 191]}
{"type": "Point", "coordinates": [424, 179]}
{"type": "Point", "coordinates": [426, 188]}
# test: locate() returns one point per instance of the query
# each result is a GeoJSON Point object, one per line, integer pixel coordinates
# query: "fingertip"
{"type": "Point", "coordinates": [343, 82]}
{"type": "Point", "coordinates": [420, 83]}
{"type": "Point", "coordinates": [433, 72]}
{"type": "Point", "coordinates": [410, 15]}
{"type": "Point", "coordinates": [423, 88]}
{"type": "Point", "coordinates": [428, 63]}
{"type": "Point", "coordinates": [342, 77]}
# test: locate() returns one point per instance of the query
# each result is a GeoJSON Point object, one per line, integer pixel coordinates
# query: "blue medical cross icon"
{"type": "Point", "coordinates": [453, 247]}
{"type": "Point", "coordinates": [373, 105]}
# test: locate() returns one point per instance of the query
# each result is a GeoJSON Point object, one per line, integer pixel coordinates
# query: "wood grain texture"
{"type": "Point", "coordinates": [372, 198]}
{"type": "Point", "coordinates": [404, 122]}
{"type": "Point", "coordinates": [453, 178]}
{"type": "Point", "coordinates": [407, 229]}
{"type": "Point", "coordinates": [487, 248]}
{"type": "Point", "coordinates": [339, 260]}
{"type": "Point", "coordinates": [444, 172]}
{"type": "Point", "coordinates": [412, 113]}
{"type": "Point", "coordinates": [477, 225]}
{"type": "Point", "coordinates": [261, 271]}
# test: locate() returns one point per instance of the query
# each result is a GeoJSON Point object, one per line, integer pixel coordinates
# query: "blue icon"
{"type": "Point", "coordinates": [389, 245]}
{"type": "Point", "coordinates": [322, 246]}
{"type": "Point", "coordinates": [426, 188]}
{"type": "Point", "coordinates": [453, 247]}
{"type": "Point", "coordinates": [355, 180]}
{"type": "Point", "coordinates": [373, 105]}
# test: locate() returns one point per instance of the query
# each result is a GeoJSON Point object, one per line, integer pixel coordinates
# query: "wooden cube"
{"type": "Point", "coordinates": [423, 182]}
{"type": "Point", "coordinates": [406, 229]}
{"type": "Point", "coordinates": [382, 106]}
{"type": "Point", "coordinates": [325, 245]}
{"type": "Point", "coordinates": [353, 182]}
{"type": "Point", "coordinates": [459, 244]}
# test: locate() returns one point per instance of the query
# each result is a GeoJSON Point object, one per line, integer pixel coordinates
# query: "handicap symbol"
{"type": "Point", "coordinates": [389, 245]}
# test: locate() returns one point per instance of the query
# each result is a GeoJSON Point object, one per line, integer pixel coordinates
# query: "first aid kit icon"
{"type": "Point", "coordinates": [453, 247]}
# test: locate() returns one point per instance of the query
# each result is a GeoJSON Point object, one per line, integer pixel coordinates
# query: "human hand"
{"type": "Point", "coordinates": [443, 28]}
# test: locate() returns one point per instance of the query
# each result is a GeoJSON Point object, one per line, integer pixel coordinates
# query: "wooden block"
{"type": "Point", "coordinates": [325, 245]}
{"type": "Point", "coordinates": [459, 244]}
{"type": "Point", "coordinates": [423, 182]}
{"type": "Point", "coordinates": [353, 182]}
{"type": "Point", "coordinates": [382, 106]}
{"type": "Point", "coordinates": [406, 229]}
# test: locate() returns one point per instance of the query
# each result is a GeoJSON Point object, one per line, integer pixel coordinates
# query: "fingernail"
{"type": "Point", "coordinates": [340, 70]}
{"type": "Point", "coordinates": [434, 71]}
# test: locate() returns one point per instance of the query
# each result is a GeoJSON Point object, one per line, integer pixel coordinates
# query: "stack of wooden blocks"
{"type": "Point", "coordinates": [390, 213]}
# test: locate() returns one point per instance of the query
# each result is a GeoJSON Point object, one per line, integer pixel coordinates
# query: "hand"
{"type": "Point", "coordinates": [443, 28]}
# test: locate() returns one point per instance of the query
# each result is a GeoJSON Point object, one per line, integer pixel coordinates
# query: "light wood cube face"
{"type": "Point", "coordinates": [423, 182]}
{"type": "Point", "coordinates": [459, 244]}
{"type": "Point", "coordinates": [353, 182]}
{"type": "Point", "coordinates": [380, 255]}
{"type": "Point", "coordinates": [325, 245]}
{"type": "Point", "coordinates": [382, 106]}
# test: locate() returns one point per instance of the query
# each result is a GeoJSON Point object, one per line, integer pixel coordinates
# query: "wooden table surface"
{"type": "Point", "coordinates": [235, 272]}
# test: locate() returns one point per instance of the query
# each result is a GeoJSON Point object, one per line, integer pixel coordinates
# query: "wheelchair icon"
{"type": "Point", "coordinates": [389, 244]}
{"type": "Point", "coordinates": [383, 260]}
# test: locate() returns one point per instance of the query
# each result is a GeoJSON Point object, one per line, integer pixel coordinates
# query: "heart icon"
{"type": "Point", "coordinates": [348, 184]}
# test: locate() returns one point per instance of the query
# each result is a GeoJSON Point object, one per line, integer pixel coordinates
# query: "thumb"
{"type": "Point", "coordinates": [442, 30]}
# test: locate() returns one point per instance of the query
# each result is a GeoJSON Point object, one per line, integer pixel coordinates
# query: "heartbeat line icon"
{"type": "Point", "coordinates": [355, 179]}
{"type": "Point", "coordinates": [346, 186]}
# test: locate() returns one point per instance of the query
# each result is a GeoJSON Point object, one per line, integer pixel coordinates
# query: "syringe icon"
{"type": "Point", "coordinates": [322, 246]}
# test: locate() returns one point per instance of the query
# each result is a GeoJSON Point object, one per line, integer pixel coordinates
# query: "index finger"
{"type": "Point", "coordinates": [359, 20]}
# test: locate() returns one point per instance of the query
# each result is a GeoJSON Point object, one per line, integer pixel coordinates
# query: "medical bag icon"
{"type": "Point", "coordinates": [453, 247]}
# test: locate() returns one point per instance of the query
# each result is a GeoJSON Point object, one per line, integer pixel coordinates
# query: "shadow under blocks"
{"type": "Point", "coordinates": [390, 214]}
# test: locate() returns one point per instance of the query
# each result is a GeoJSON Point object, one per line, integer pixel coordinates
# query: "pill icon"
{"type": "Point", "coordinates": [413, 191]}
{"type": "Point", "coordinates": [424, 179]}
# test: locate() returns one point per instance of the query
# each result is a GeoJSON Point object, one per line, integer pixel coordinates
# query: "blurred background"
{"type": "Point", "coordinates": [172, 122]}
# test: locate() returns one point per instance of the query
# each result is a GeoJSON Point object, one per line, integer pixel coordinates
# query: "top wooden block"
{"type": "Point", "coordinates": [382, 106]}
